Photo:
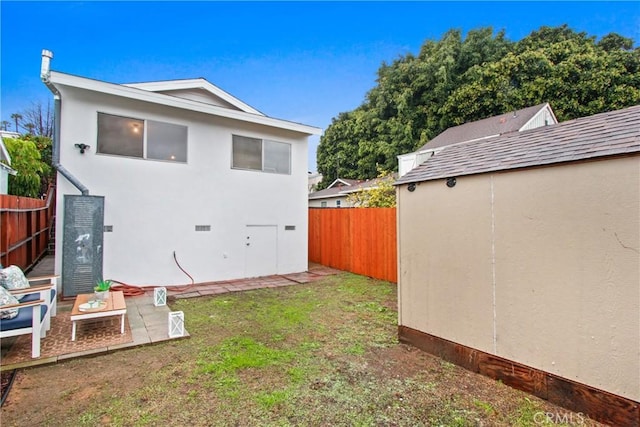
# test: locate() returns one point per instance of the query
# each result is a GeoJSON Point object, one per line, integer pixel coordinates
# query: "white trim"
{"type": "Point", "coordinates": [540, 111]}
{"type": "Point", "coordinates": [328, 196]}
{"type": "Point", "coordinates": [58, 78]}
{"type": "Point", "coordinates": [9, 170]}
{"type": "Point", "coordinates": [339, 180]}
{"type": "Point", "coordinates": [4, 151]}
{"type": "Point", "coordinates": [200, 83]}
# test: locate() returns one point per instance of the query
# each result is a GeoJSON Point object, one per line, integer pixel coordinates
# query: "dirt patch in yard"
{"type": "Point", "coordinates": [321, 354]}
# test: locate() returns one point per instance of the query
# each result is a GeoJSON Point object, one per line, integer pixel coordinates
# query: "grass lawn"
{"type": "Point", "coordinates": [320, 354]}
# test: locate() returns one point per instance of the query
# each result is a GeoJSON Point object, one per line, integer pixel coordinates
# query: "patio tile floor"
{"type": "Point", "coordinates": [146, 323]}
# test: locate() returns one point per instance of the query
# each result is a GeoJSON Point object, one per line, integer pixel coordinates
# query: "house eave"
{"type": "Point", "coordinates": [523, 166]}
{"type": "Point", "coordinates": [327, 196]}
{"type": "Point", "coordinates": [64, 79]}
{"type": "Point", "coordinates": [9, 169]}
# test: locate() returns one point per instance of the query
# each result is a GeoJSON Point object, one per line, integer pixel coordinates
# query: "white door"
{"type": "Point", "coordinates": [261, 250]}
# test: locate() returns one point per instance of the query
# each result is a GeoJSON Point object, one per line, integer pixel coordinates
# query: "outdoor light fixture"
{"type": "Point", "coordinates": [82, 147]}
{"type": "Point", "coordinates": [411, 187]}
{"type": "Point", "coordinates": [451, 182]}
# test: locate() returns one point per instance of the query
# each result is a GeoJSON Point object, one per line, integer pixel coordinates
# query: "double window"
{"type": "Point", "coordinates": [261, 155]}
{"type": "Point", "coordinates": [146, 139]}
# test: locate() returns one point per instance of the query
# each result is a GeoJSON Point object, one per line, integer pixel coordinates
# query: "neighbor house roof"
{"type": "Point", "coordinates": [344, 190]}
{"type": "Point", "coordinates": [334, 189]}
{"type": "Point", "coordinates": [512, 121]}
{"type": "Point", "coordinates": [136, 92]}
{"type": "Point", "coordinates": [605, 134]}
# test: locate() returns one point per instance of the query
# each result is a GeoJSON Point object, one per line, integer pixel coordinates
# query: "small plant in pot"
{"type": "Point", "coordinates": [102, 289]}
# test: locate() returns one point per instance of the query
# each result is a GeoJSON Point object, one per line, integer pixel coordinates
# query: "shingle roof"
{"type": "Point", "coordinates": [491, 126]}
{"type": "Point", "coordinates": [335, 188]}
{"type": "Point", "coordinates": [604, 134]}
{"type": "Point", "coordinates": [327, 192]}
{"type": "Point", "coordinates": [345, 190]}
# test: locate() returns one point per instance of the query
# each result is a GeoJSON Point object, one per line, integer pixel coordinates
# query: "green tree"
{"type": "Point", "coordinates": [456, 80]}
{"type": "Point", "coordinates": [401, 112]}
{"type": "Point", "coordinates": [44, 145]}
{"type": "Point", "coordinates": [383, 195]}
{"type": "Point", "coordinates": [29, 128]}
{"type": "Point", "coordinates": [26, 160]}
{"type": "Point", "coordinates": [578, 77]}
{"type": "Point", "coordinates": [17, 117]}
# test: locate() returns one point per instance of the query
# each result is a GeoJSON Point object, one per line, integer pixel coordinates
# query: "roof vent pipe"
{"type": "Point", "coordinates": [45, 74]}
{"type": "Point", "coordinates": [45, 69]}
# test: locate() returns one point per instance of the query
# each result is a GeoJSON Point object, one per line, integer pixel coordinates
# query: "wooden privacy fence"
{"type": "Point", "coordinates": [359, 240]}
{"type": "Point", "coordinates": [25, 225]}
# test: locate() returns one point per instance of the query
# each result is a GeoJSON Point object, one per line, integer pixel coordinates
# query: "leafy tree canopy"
{"type": "Point", "coordinates": [383, 195]}
{"type": "Point", "coordinates": [27, 161]}
{"type": "Point", "coordinates": [456, 80]}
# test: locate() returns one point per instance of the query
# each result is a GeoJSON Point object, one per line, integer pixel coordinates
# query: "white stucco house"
{"type": "Point", "coordinates": [5, 161]}
{"type": "Point", "coordinates": [188, 173]}
{"type": "Point", "coordinates": [490, 127]}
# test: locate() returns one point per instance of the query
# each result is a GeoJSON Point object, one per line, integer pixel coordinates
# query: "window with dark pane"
{"type": "Point", "coordinates": [166, 141]}
{"type": "Point", "coordinates": [122, 136]}
{"type": "Point", "coordinates": [246, 153]}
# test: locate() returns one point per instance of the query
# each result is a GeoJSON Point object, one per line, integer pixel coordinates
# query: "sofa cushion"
{"type": "Point", "coordinates": [7, 299]}
{"type": "Point", "coordinates": [36, 296]}
{"type": "Point", "coordinates": [22, 320]}
{"type": "Point", "coordinates": [12, 277]}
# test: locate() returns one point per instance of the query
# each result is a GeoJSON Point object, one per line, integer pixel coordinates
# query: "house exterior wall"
{"type": "Point", "coordinates": [154, 206]}
{"type": "Point", "coordinates": [331, 202]}
{"type": "Point", "coordinates": [539, 266]}
{"type": "Point", "coordinates": [4, 181]}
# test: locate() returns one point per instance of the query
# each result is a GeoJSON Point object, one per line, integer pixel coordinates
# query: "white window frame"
{"type": "Point", "coordinates": [263, 143]}
{"type": "Point", "coordinates": [145, 140]}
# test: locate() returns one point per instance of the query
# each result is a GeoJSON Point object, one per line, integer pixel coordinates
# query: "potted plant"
{"type": "Point", "coordinates": [102, 289]}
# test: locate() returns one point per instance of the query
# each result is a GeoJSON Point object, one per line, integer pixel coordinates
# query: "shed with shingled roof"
{"type": "Point", "coordinates": [521, 253]}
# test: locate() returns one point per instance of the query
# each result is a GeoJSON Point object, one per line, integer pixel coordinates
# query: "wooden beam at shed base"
{"type": "Point", "coordinates": [599, 405]}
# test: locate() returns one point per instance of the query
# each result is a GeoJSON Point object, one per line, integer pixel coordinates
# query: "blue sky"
{"type": "Point", "coordinates": [299, 61]}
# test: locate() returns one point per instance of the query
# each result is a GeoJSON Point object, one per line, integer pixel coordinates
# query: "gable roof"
{"type": "Point", "coordinates": [343, 191]}
{"type": "Point", "coordinates": [512, 121]}
{"type": "Point", "coordinates": [135, 93]}
{"type": "Point", "coordinates": [178, 87]}
{"type": "Point", "coordinates": [605, 134]}
{"type": "Point", "coordinates": [339, 182]}
{"type": "Point", "coordinates": [334, 189]}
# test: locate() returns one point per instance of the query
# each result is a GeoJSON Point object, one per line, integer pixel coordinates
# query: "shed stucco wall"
{"type": "Point", "coordinates": [154, 206]}
{"type": "Point", "coordinates": [539, 266]}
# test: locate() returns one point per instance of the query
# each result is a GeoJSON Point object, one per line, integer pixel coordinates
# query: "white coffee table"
{"type": "Point", "coordinates": [115, 306]}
